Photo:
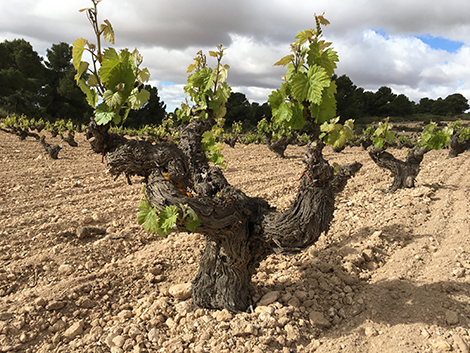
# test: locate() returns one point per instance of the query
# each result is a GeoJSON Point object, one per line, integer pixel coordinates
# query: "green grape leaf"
{"type": "Point", "coordinates": [108, 32]}
{"type": "Point", "coordinates": [112, 99]}
{"type": "Point", "coordinates": [91, 96]}
{"type": "Point", "coordinates": [103, 115]}
{"type": "Point", "coordinates": [192, 224]}
{"type": "Point", "coordinates": [306, 35]}
{"type": "Point", "coordinates": [168, 217]}
{"type": "Point", "coordinates": [378, 142]}
{"type": "Point", "coordinates": [148, 216]}
{"type": "Point", "coordinates": [300, 86]}
{"type": "Point", "coordinates": [285, 60]}
{"type": "Point", "coordinates": [144, 208]}
{"type": "Point", "coordinates": [82, 69]}
{"type": "Point", "coordinates": [77, 52]}
{"type": "Point", "coordinates": [318, 80]}
{"type": "Point", "coordinates": [143, 76]}
{"type": "Point", "coordinates": [93, 80]}
{"type": "Point", "coordinates": [138, 98]}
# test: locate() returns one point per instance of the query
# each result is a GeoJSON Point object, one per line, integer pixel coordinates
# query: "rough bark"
{"type": "Point", "coordinates": [279, 146]}
{"type": "Point", "coordinates": [52, 150]}
{"type": "Point", "coordinates": [458, 145]}
{"type": "Point", "coordinates": [404, 172]}
{"type": "Point", "coordinates": [70, 139]}
{"type": "Point", "coordinates": [240, 231]}
{"type": "Point", "coordinates": [231, 141]}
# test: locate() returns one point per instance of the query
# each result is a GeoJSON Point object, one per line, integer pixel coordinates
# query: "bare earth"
{"type": "Point", "coordinates": [390, 276]}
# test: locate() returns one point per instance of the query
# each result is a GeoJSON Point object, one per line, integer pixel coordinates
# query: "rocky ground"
{"type": "Point", "coordinates": [77, 274]}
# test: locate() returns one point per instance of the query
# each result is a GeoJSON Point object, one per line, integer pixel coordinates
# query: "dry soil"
{"type": "Point", "coordinates": [392, 274]}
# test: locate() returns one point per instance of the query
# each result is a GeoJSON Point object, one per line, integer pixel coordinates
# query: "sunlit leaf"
{"type": "Point", "coordinates": [108, 32]}
{"type": "Point", "coordinates": [103, 115]}
{"type": "Point", "coordinates": [138, 98]}
{"type": "Point", "coordinates": [77, 52]}
{"type": "Point", "coordinates": [285, 60]}
{"type": "Point", "coordinates": [168, 217]}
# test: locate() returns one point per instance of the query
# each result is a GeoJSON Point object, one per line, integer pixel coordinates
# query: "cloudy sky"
{"type": "Point", "coordinates": [420, 48]}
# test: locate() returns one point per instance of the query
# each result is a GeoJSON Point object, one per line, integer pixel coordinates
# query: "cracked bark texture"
{"type": "Point", "coordinates": [404, 172]}
{"type": "Point", "coordinates": [458, 145]}
{"type": "Point", "coordinates": [240, 231]}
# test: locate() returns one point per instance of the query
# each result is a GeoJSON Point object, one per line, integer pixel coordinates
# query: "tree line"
{"type": "Point", "coordinates": [46, 89]}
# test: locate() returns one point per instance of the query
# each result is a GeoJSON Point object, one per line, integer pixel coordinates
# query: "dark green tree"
{"type": "Point", "coordinates": [440, 107]}
{"type": "Point", "coordinates": [382, 101]}
{"type": "Point", "coordinates": [152, 113]}
{"type": "Point", "coordinates": [260, 112]}
{"type": "Point", "coordinates": [401, 106]}
{"type": "Point", "coordinates": [21, 78]}
{"type": "Point", "coordinates": [425, 106]}
{"type": "Point", "coordinates": [457, 104]}
{"type": "Point", "coordinates": [349, 98]}
{"type": "Point", "coordinates": [238, 109]}
{"type": "Point", "coordinates": [62, 99]}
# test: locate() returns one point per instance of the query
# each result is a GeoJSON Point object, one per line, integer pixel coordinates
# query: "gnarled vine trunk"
{"type": "Point", "coordinates": [279, 146]}
{"type": "Point", "coordinates": [404, 172]}
{"type": "Point", "coordinates": [458, 145]}
{"type": "Point", "coordinates": [240, 231]}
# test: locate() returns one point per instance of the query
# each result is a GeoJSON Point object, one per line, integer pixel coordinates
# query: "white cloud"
{"type": "Point", "coordinates": [170, 32]}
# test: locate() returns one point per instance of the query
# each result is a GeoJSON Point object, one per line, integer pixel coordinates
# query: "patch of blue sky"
{"type": "Point", "coordinates": [436, 43]}
{"type": "Point", "coordinates": [440, 43]}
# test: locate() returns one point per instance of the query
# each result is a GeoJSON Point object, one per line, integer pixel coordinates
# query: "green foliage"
{"type": "Point", "coordinates": [212, 147]}
{"type": "Point", "coordinates": [433, 138]}
{"type": "Point", "coordinates": [114, 76]}
{"type": "Point", "coordinates": [383, 135]}
{"type": "Point", "coordinates": [458, 127]}
{"type": "Point", "coordinates": [206, 88]}
{"type": "Point", "coordinates": [335, 134]}
{"type": "Point", "coordinates": [163, 222]}
{"type": "Point", "coordinates": [209, 92]}
{"type": "Point", "coordinates": [308, 91]}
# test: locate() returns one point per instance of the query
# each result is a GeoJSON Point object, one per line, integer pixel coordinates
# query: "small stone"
{"type": "Point", "coordinates": [85, 303]}
{"type": "Point", "coordinates": [294, 301]}
{"type": "Point", "coordinates": [181, 291]}
{"type": "Point", "coordinates": [153, 335]}
{"type": "Point", "coordinates": [368, 255]}
{"type": "Point", "coordinates": [452, 318]}
{"type": "Point", "coordinates": [125, 314]}
{"type": "Point", "coordinates": [134, 331]}
{"type": "Point", "coordinates": [88, 232]}
{"type": "Point", "coordinates": [459, 273]}
{"type": "Point", "coordinates": [4, 316]}
{"type": "Point", "coordinates": [66, 269]}
{"type": "Point", "coordinates": [40, 301]}
{"type": "Point", "coordinates": [89, 265]}
{"type": "Point", "coordinates": [317, 319]}
{"type": "Point", "coordinates": [268, 298]}
{"type": "Point", "coordinates": [55, 305]}
{"type": "Point", "coordinates": [97, 217]}
{"type": "Point", "coordinates": [74, 330]}
{"type": "Point", "coordinates": [96, 332]}
{"type": "Point", "coordinates": [223, 315]}
{"type": "Point", "coordinates": [59, 325]}
{"type": "Point", "coordinates": [23, 337]}
{"type": "Point", "coordinates": [371, 332]}
{"type": "Point", "coordinates": [118, 341]}
{"type": "Point", "coordinates": [264, 309]}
